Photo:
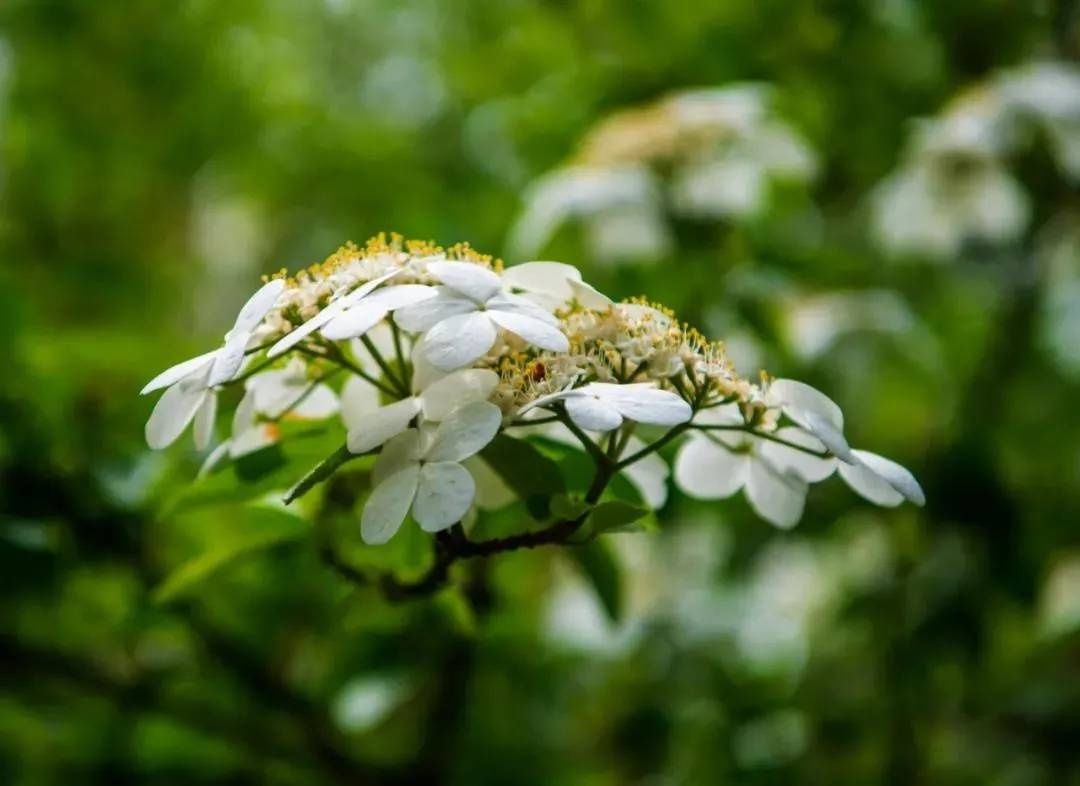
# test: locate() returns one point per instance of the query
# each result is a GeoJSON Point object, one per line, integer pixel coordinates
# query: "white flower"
{"type": "Point", "coordinates": [552, 285]}
{"type": "Point", "coordinates": [812, 410]}
{"type": "Point", "coordinates": [190, 395]}
{"type": "Point", "coordinates": [602, 406]}
{"type": "Point", "coordinates": [953, 186]}
{"type": "Point", "coordinates": [620, 205]}
{"type": "Point", "coordinates": [276, 394]}
{"type": "Point", "coordinates": [290, 391]}
{"type": "Point", "coordinates": [421, 471]}
{"type": "Point", "coordinates": [730, 177]}
{"type": "Point", "coordinates": [1049, 92]}
{"type": "Point", "coordinates": [370, 425]}
{"type": "Point", "coordinates": [334, 309]}
{"type": "Point", "coordinates": [717, 464]}
{"type": "Point", "coordinates": [461, 323]}
{"type": "Point", "coordinates": [878, 479]}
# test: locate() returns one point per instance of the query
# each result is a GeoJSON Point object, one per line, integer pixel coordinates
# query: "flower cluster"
{"type": "Point", "coordinates": [445, 349]}
{"type": "Point", "coordinates": [955, 186]}
{"type": "Point", "coordinates": [707, 154]}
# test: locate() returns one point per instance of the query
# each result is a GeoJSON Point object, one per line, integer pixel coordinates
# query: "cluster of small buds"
{"type": "Point", "coordinates": [445, 349]}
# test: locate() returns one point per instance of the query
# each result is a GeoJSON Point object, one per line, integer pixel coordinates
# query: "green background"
{"type": "Point", "coordinates": [155, 158]}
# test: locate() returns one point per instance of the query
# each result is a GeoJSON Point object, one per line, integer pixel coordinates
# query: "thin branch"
{"type": "Point", "coordinates": [452, 546]}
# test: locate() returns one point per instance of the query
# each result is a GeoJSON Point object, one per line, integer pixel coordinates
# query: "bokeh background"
{"type": "Point", "coordinates": [155, 158]}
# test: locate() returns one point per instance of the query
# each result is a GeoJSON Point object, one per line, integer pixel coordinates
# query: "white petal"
{"type": "Point", "coordinates": [229, 358]}
{"type": "Point", "coordinates": [777, 497]}
{"type": "Point", "coordinates": [372, 429]}
{"type": "Point", "coordinates": [244, 416]}
{"type": "Point", "coordinates": [706, 470]}
{"type": "Point", "coordinates": [544, 401]}
{"type": "Point", "coordinates": [444, 495]}
{"type": "Point", "coordinates": [204, 420]}
{"type": "Point", "coordinates": [722, 415]}
{"type": "Point", "coordinates": [814, 411]}
{"type": "Point", "coordinates": [298, 334]}
{"type": "Point", "coordinates": [881, 481]}
{"type": "Point", "coordinates": [592, 414]}
{"type": "Point", "coordinates": [173, 411]}
{"type": "Point", "coordinates": [424, 374]}
{"type": "Point", "coordinates": [398, 453]}
{"type": "Point", "coordinates": [810, 468]}
{"type": "Point", "coordinates": [174, 374]}
{"type": "Point", "coordinates": [355, 321]}
{"type": "Point", "coordinates": [474, 281]}
{"type": "Point", "coordinates": [358, 319]}
{"type": "Point", "coordinates": [445, 395]}
{"type": "Point", "coordinates": [321, 402]}
{"type": "Point", "coordinates": [388, 505]}
{"type": "Point", "coordinates": [648, 475]}
{"type": "Point", "coordinates": [516, 304]}
{"type": "Point", "coordinates": [547, 283]}
{"type": "Point", "coordinates": [358, 398]}
{"type": "Point", "coordinates": [258, 305]}
{"type": "Point", "coordinates": [213, 459]}
{"type": "Point", "coordinates": [458, 341]}
{"type": "Point", "coordinates": [425, 315]}
{"type": "Point", "coordinates": [466, 431]}
{"type": "Point", "coordinates": [254, 438]}
{"type": "Point", "coordinates": [590, 297]}
{"type": "Point", "coordinates": [333, 309]}
{"type": "Point", "coordinates": [536, 332]}
{"type": "Point", "coordinates": [401, 295]}
{"type": "Point", "coordinates": [643, 403]}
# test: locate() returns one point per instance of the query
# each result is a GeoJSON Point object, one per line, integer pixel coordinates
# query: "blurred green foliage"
{"type": "Point", "coordinates": [155, 158]}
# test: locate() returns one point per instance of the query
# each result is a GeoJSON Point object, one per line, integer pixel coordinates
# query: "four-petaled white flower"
{"type": "Point", "coordinates": [461, 323]}
{"type": "Point", "coordinates": [603, 406]}
{"type": "Point", "coordinates": [190, 394]}
{"type": "Point", "coordinates": [716, 464]}
{"type": "Point", "coordinates": [420, 470]}
{"type": "Point", "coordinates": [876, 478]}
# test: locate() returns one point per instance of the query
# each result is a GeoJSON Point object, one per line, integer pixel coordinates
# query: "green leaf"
{"type": "Point", "coordinates": [531, 475]}
{"type": "Point", "coordinates": [319, 473]}
{"type": "Point", "coordinates": [598, 565]}
{"type": "Point", "coordinates": [254, 476]}
{"type": "Point", "coordinates": [263, 528]}
{"type": "Point", "coordinates": [567, 508]}
{"type": "Point", "coordinates": [617, 516]}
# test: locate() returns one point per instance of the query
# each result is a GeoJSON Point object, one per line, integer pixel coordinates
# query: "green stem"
{"type": "Point", "coordinates": [770, 437]}
{"type": "Point", "coordinates": [336, 356]}
{"type": "Point", "coordinates": [591, 447]}
{"type": "Point", "coordinates": [388, 372]}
